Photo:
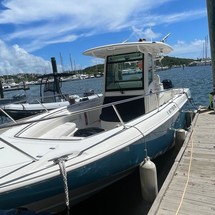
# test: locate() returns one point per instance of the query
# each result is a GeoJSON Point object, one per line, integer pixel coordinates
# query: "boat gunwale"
{"type": "Point", "coordinates": [53, 112]}
{"type": "Point", "coordinates": [120, 129]}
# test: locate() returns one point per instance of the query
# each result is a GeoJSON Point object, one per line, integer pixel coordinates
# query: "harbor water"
{"type": "Point", "coordinates": [124, 197]}
{"type": "Point", "coordinates": [197, 78]}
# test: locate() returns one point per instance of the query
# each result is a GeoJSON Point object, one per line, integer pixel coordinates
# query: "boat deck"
{"type": "Point", "coordinates": [190, 185]}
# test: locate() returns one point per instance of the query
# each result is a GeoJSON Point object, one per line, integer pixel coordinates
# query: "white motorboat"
{"type": "Point", "coordinates": [51, 97]}
{"type": "Point", "coordinates": [77, 150]}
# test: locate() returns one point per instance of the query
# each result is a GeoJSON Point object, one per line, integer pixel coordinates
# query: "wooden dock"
{"type": "Point", "coordinates": [190, 185]}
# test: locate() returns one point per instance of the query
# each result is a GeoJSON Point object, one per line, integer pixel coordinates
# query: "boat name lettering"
{"type": "Point", "coordinates": [172, 109]}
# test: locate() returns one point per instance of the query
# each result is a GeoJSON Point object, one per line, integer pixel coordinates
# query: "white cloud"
{"type": "Point", "coordinates": [181, 16]}
{"type": "Point", "coordinates": [194, 49]}
{"type": "Point", "coordinates": [46, 22]}
{"type": "Point", "coordinates": [16, 60]}
{"type": "Point", "coordinates": [22, 11]}
{"type": "Point", "coordinates": [147, 33]}
{"type": "Point", "coordinates": [153, 19]}
{"type": "Point", "coordinates": [36, 24]}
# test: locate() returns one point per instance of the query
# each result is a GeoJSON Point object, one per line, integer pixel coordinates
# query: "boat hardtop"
{"type": "Point", "coordinates": [129, 47]}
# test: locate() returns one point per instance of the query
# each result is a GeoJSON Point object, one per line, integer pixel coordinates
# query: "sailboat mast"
{"type": "Point", "coordinates": [203, 52]}
{"type": "Point", "coordinates": [70, 58]}
{"type": "Point", "coordinates": [61, 60]}
{"type": "Point", "coordinates": [206, 47]}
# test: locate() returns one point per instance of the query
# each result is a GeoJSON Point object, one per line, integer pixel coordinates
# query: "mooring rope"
{"type": "Point", "coordinates": [61, 163]}
{"type": "Point", "coordinates": [188, 174]}
{"type": "Point", "coordinates": [192, 102]}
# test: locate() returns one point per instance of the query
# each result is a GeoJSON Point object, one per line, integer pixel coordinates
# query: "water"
{"type": "Point", "coordinates": [198, 79]}
{"type": "Point", "coordinates": [77, 87]}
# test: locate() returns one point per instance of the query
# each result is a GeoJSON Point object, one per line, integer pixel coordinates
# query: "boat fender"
{"type": "Point", "coordinates": [180, 136]}
{"type": "Point", "coordinates": [189, 116]}
{"type": "Point", "coordinates": [148, 180]}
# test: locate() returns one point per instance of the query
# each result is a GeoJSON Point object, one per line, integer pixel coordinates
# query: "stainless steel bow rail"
{"type": "Point", "coordinates": [99, 107]}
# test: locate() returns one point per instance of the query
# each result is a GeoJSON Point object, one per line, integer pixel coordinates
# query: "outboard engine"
{"type": "Point", "coordinates": [167, 84]}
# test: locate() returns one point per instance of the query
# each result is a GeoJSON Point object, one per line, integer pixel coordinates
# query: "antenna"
{"type": "Point", "coordinates": [164, 39]}
{"type": "Point", "coordinates": [125, 41]}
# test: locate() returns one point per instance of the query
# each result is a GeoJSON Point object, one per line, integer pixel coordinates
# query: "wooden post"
{"type": "Point", "coordinates": [211, 26]}
{"type": "Point", "coordinates": [1, 90]}
{"type": "Point", "coordinates": [54, 68]}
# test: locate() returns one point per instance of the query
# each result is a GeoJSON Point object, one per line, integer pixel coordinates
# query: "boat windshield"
{"type": "Point", "coordinates": [124, 72]}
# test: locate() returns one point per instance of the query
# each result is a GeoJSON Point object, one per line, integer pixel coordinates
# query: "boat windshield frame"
{"type": "Point", "coordinates": [125, 72]}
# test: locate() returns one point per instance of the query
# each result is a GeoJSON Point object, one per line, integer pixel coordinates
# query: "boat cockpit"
{"type": "Point", "coordinates": [129, 75]}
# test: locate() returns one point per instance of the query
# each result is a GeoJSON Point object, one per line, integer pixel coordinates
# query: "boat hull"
{"type": "Point", "coordinates": [19, 111]}
{"type": "Point", "coordinates": [48, 195]}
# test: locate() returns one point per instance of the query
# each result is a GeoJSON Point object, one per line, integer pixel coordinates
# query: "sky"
{"type": "Point", "coordinates": [33, 31]}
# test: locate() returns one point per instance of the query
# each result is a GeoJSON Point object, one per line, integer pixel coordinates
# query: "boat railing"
{"type": "Point", "coordinates": [41, 105]}
{"type": "Point", "coordinates": [54, 98]}
{"type": "Point", "coordinates": [7, 115]}
{"type": "Point", "coordinates": [34, 101]}
{"type": "Point", "coordinates": [86, 110]}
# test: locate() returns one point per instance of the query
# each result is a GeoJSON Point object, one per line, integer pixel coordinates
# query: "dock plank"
{"type": "Point", "coordinates": [190, 185]}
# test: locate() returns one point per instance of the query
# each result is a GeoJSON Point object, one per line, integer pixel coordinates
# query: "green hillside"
{"type": "Point", "coordinates": [171, 61]}
{"type": "Point", "coordinates": [166, 61]}
{"type": "Point", "coordinates": [98, 69]}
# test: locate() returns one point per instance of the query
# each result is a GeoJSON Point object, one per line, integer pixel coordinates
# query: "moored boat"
{"type": "Point", "coordinates": [79, 149]}
{"type": "Point", "coordinates": [51, 97]}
